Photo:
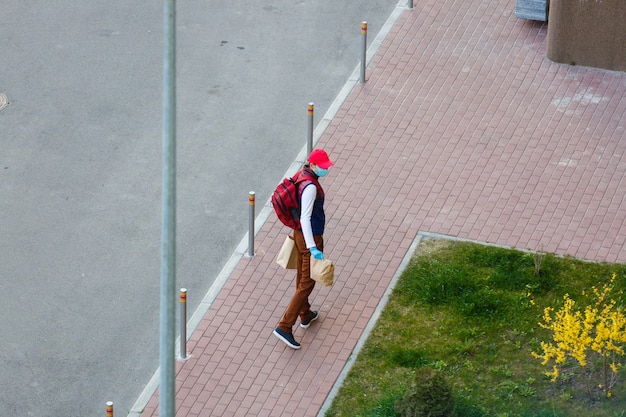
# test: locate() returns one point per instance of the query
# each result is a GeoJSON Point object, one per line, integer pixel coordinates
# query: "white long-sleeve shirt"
{"type": "Point", "coordinates": [309, 193]}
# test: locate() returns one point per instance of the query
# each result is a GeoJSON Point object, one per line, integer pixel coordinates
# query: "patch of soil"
{"type": "Point", "coordinates": [430, 245]}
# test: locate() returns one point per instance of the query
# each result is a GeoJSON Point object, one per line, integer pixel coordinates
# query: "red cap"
{"type": "Point", "coordinates": [320, 158]}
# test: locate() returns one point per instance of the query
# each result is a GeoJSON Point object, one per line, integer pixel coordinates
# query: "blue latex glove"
{"type": "Point", "coordinates": [316, 253]}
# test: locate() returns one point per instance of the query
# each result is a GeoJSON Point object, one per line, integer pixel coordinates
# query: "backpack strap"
{"type": "Point", "coordinates": [306, 177]}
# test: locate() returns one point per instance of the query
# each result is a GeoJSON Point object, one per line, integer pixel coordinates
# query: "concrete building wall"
{"type": "Point", "coordinates": [588, 32]}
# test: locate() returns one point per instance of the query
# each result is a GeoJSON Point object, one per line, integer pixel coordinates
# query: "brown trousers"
{"type": "Point", "coordinates": [299, 305]}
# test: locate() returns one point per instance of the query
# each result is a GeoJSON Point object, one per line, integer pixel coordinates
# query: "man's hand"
{"type": "Point", "coordinates": [316, 253]}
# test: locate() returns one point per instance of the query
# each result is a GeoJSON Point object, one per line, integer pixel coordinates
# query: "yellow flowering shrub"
{"type": "Point", "coordinates": [593, 337]}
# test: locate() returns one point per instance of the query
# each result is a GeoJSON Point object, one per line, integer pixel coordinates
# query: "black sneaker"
{"type": "Point", "coordinates": [287, 338]}
{"type": "Point", "coordinates": [306, 324]}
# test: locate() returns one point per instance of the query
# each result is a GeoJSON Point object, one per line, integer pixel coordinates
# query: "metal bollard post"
{"type": "Point", "coordinates": [183, 323]}
{"type": "Point", "coordinates": [309, 143]}
{"type": "Point", "coordinates": [251, 197]}
{"type": "Point", "coordinates": [410, 4]}
{"type": "Point", "coordinates": [363, 50]}
{"type": "Point", "coordinates": [109, 409]}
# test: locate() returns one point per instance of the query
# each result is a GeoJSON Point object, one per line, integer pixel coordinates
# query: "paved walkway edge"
{"type": "Point", "coordinates": [242, 248]}
{"type": "Point", "coordinates": [370, 325]}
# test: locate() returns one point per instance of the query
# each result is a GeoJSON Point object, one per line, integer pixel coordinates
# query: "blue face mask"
{"type": "Point", "coordinates": [320, 172]}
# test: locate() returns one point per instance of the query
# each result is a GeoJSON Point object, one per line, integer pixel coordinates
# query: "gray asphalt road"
{"type": "Point", "coordinates": [80, 171]}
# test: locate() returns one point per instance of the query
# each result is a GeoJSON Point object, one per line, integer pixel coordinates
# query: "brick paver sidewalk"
{"type": "Point", "coordinates": [463, 128]}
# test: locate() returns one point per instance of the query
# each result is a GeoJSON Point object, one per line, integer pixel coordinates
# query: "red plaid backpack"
{"type": "Point", "coordinates": [286, 198]}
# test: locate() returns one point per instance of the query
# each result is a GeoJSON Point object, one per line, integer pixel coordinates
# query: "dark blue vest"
{"type": "Point", "coordinates": [318, 217]}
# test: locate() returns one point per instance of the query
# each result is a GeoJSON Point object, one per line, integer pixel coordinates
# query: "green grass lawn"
{"type": "Point", "coordinates": [472, 312]}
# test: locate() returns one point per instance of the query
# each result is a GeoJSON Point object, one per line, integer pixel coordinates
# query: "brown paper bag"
{"type": "Point", "coordinates": [288, 255]}
{"type": "Point", "coordinates": [323, 271]}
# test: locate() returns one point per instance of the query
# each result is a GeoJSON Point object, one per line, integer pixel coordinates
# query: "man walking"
{"type": "Point", "coordinates": [309, 242]}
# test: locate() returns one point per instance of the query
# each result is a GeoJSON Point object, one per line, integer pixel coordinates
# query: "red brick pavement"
{"type": "Point", "coordinates": [463, 128]}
